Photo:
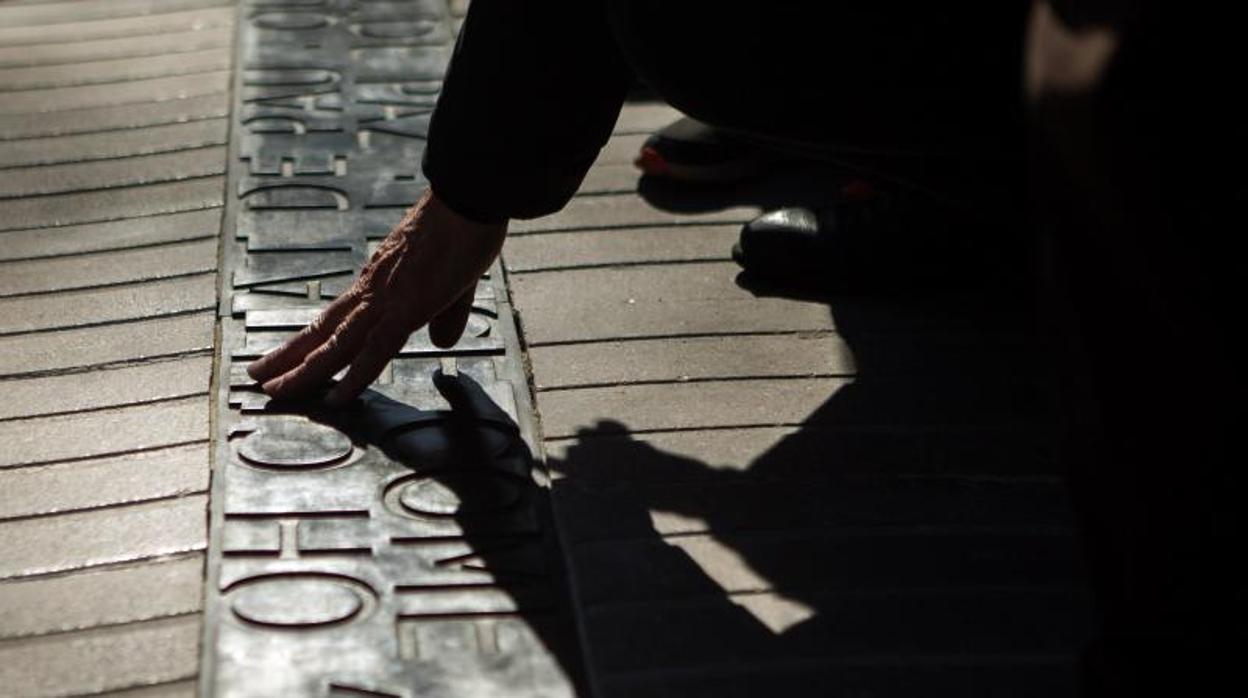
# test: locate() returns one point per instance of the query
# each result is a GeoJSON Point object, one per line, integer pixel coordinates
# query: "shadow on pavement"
{"type": "Point", "coordinates": [911, 537]}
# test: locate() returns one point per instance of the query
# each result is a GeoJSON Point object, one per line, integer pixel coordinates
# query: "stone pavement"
{"type": "Point", "coordinates": [738, 492]}
{"type": "Point", "coordinates": [771, 495]}
{"type": "Point", "coordinates": [113, 137]}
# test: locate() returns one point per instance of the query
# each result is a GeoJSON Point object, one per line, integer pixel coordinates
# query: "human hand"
{"type": "Point", "coordinates": [425, 271]}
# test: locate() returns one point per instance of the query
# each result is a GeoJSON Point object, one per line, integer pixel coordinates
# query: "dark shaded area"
{"type": "Point", "coordinates": [1132, 133]}
{"type": "Point", "coordinates": [918, 514]}
{"type": "Point", "coordinates": [476, 454]}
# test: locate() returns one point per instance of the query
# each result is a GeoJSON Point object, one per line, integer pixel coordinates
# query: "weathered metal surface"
{"type": "Point", "coordinates": [401, 546]}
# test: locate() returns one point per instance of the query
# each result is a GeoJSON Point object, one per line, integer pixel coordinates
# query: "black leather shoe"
{"type": "Point", "coordinates": [788, 242]}
{"type": "Point", "coordinates": [872, 244]}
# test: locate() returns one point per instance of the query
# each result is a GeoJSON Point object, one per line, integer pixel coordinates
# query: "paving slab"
{"type": "Point", "coordinates": [113, 71]}
{"type": "Point", "coordinates": [179, 42]}
{"type": "Point", "coordinates": [172, 689]}
{"type": "Point", "coordinates": [610, 179]}
{"type": "Point", "coordinates": [82, 348]}
{"type": "Point", "coordinates": [648, 407]}
{"type": "Point", "coordinates": [113, 387]}
{"type": "Point", "coordinates": [110, 205]}
{"type": "Point", "coordinates": [164, 89]}
{"type": "Point", "coordinates": [114, 119]}
{"type": "Point", "coordinates": [622, 211]}
{"type": "Point", "coordinates": [81, 600]}
{"type": "Point", "coordinates": [79, 540]}
{"type": "Point", "coordinates": [106, 659]}
{"type": "Point", "coordinates": [96, 434]}
{"type": "Point", "coordinates": [107, 291]}
{"type": "Point", "coordinates": [69, 240]}
{"type": "Point", "coordinates": [42, 180]}
{"type": "Point", "coordinates": [624, 246]}
{"type": "Point", "coordinates": [621, 149]}
{"type": "Point", "coordinates": [49, 150]}
{"type": "Point", "coordinates": [787, 485]}
{"type": "Point", "coordinates": [690, 358]}
{"type": "Point", "coordinates": [107, 268]}
{"type": "Point", "coordinates": [68, 34]}
{"type": "Point", "coordinates": [130, 302]}
{"type": "Point", "coordinates": [645, 117]}
{"type": "Point", "coordinates": [103, 482]}
{"type": "Point", "coordinates": [74, 11]}
{"type": "Point", "coordinates": [832, 401]}
{"type": "Point", "coordinates": [649, 301]}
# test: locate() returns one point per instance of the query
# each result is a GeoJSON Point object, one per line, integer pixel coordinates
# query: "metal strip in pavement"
{"type": "Point", "coordinates": [397, 547]}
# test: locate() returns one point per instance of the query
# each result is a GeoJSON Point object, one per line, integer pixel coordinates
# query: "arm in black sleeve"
{"type": "Point", "coordinates": [530, 97]}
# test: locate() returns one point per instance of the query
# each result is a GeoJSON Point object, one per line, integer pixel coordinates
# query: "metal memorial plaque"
{"type": "Point", "coordinates": [401, 546]}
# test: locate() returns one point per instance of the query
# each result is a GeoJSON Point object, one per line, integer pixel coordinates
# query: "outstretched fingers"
{"type": "Point", "coordinates": [292, 353]}
{"type": "Point", "coordinates": [384, 343]}
{"type": "Point", "coordinates": [321, 363]}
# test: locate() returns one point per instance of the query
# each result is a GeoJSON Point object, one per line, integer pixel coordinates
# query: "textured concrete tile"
{"type": "Point", "coordinates": [621, 149]}
{"type": "Point", "coordinates": [94, 434]}
{"type": "Point", "coordinates": [87, 10]}
{"type": "Point", "coordinates": [108, 174]}
{"type": "Point", "coordinates": [113, 144]}
{"type": "Point", "coordinates": [131, 341]}
{"type": "Point", "coordinates": [146, 263]}
{"type": "Point", "coordinates": [652, 301]}
{"type": "Point", "coordinates": [117, 70]}
{"type": "Point", "coordinates": [175, 689]}
{"type": "Point", "coordinates": [689, 405]}
{"type": "Point", "coordinates": [112, 49]}
{"type": "Point", "coordinates": [105, 119]}
{"type": "Point", "coordinates": [525, 253]}
{"type": "Point", "coordinates": [104, 536]}
{"type": "Point", "coordinates": [133, 301]}
{"type": "Point", "coordinates": [31, 397]}
{"type": "Point", "coordinates": [108, 205]}
{"type": "Point", "coordinates": [48, 489]}
{"type": "Point", "coordinates": [146, 26]}
{"type": "Point", "coordinates": [82, 600]}
{"type": "Point", "coordinates": [115, 48]}
{"type": "Point", "coordinates": [681, 359]}
{"type": "Point", "coordinates": [645, 117]}
{"type": "Point", "coordinates": [612, 456]}
{"type": "Point", "coordinates": [899, 404]}
{"type": "Point", "coordinates": [624, 210]}
{"type": "Point", "coordinates": [105, 659]}
{"type": "Point", "coordinates": [110, 235]}
{"type": "Point", "coordinates": [135, 91]}
{"type": "Point", "coordinates": [609, 179]}
{"type": "Point", "coordinates": [756, 628]}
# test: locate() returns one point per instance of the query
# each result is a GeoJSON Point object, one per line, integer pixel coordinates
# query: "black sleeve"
{"type": "Point", "coordinates": [533, 89]}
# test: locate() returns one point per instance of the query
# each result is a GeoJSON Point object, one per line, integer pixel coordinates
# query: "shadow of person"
{"type": "Point", "coordinates": [484, 520]}
{"type": "Point", "coordinates": [911, 536]}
